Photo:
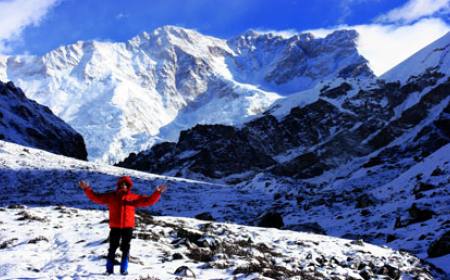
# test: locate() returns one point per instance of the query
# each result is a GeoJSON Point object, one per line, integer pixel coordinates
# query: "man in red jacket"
{"type": "Point", "coordinates": [121, 204]}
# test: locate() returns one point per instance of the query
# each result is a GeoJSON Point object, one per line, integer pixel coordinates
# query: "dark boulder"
{"type": "Point", "coordinates": [440, 247]}
{"type": "Point", "coordinates": [419, 214]}
{"type": "Point", "coordinates": [205, 216]}
{"type": "Point", "coordinates": [422, 187]}
{"type": "Point", "coordinates": [364, 201]}
{"type": "Point", "coordinates": [184, 271]}
{"type": "Point", "coordinates": [177, 256]}
{"type": "Point", "coordinates": [271, 220]}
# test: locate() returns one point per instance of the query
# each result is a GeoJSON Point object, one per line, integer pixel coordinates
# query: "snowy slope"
{"type": "Point", "coordinates": [435, 56]}
{"type": "Point", "coordinates": [119, 96]}
{"type": "Point", "coordinates": [61, 242]}
{"type": "Point", "coordinates": [49, 230]}
{"type": "Point", "coordinates": [41, 178]}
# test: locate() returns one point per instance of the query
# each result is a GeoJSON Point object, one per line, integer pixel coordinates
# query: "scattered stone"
{"type": "Point", "coordinates": [37, 239]}
{"type": "Point", "coordinates": [201, 254]}
{"type": "Point", "coordinates": [205, 216]}
{"type": "Point", "coordinates": [391, 271]}
{"type": "Point", "coordinates": [358, 242]}
{"type": "Point", "coordinates": [184, 271]}
{"type": "Point", "coordinates": [191, 235]}
{"type": "Point", "coordinates": [177, 256]}
{"type": "Point", "coordinates": [277, 196]}
{"type": "Point", "coordinates": [208, 242]}
{"type": "Point", "coordinates": [365, 212]}
{"type": "Point", "coordinates": [364, 201]}
{"type": "Point", "coordinates": [422, 187]}
{"type": "Point", "coordinates": [419, 215]}
{"type": "Point", "coordinates": [25, 216]}
{"type": "Point", "coordinates": [7, 243]}
{"type": "Point", "coordinates": [16, 206]}
{"type": "Point", "coordinates": [390, 238]}
{"type": "Point", "coordinates": [149, 235]}
{"type": "Point", "coordinates": [437, 172]}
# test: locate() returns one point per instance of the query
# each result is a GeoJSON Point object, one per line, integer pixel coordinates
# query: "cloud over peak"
{"type": "Point", "coordinates": [414, 10]}
{"type": "Point", "coordinates": [16, 15]}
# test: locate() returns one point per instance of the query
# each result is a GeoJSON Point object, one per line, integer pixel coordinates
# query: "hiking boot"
{"type": "Point", "coordinates": [109, 267]}
{"type": "Point", "coordinates": [124, 265]}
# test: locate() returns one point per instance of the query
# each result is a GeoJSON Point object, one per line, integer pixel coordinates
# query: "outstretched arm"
{"type": "Point", "coordinates": [94, 197]}
{"type": "Point", "coordinates": [145, 200]}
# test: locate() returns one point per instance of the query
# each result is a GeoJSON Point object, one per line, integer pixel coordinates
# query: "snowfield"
{"type": "Point", "coordinates": [58, 242]}
{"type": "Point", "coordinates": [49, 230]}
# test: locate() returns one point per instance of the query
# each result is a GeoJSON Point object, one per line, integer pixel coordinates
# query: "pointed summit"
{"type": "Point", "coordinates": [434, 57]}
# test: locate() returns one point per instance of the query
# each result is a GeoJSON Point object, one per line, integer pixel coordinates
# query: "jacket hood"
{"type": "Point", "coordinates": [125, 179]}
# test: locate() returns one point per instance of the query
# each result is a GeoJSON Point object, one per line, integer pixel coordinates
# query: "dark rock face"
{"type": "Point", "coordinates": [212, 150]}
{"type": "Point", "coordinates": [440, 247]}
{"type": "Point", "coordinates": [271, 220]}
{"type": "Point", "coordinates": [309, 165]}
{"type": "Point", "coordinates": [324, 135]}
{"type": "Point", "coordinates": [364, 201]}
{"type": "Point", "coordinates": [297, 56]}
{"type": "Point", "coordinates": [27, 123]}
{"type": "Point", "coordinates": [336, 92]}
{"type": "Point", "coordinates": [417, 214]}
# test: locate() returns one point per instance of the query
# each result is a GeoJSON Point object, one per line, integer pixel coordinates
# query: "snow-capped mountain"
{"type": "Point", "coordinates": [353, 158]}
{"type": "Point", "coordinates": [435, 56]}
{"type": "Point", "coordinates": [28, 123]}
{"type": "Point", "coordinates": [124, 97]}
{"type": "Point", "coordinates": [48, 229]}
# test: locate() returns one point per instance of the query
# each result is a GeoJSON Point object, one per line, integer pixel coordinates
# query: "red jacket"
{"type": "Point", "coordinates": [122, 205]}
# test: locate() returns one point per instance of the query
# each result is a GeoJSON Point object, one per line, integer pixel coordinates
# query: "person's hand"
{"type": "Point", "coordinates": [161, 188]}
{"type": "Point", "coordinates": [83, 185]}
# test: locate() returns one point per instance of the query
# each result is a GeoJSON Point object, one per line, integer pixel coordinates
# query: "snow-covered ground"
{"type": "Point", "coordinates": [70, 243]}
{"type": "Point", "coordinates": [37, 177]}
{"type": "Point", "coordinates": [48, 229]}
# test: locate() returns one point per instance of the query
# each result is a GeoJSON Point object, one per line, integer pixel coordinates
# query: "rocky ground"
{"type": "Point", "coordinates": [63, 242]}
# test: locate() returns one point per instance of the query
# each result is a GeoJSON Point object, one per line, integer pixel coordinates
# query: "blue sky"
{"type": "Point", "coordinates": [36, 27]}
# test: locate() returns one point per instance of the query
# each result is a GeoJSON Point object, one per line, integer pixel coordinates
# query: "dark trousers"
{"type": "Point", "coordinates": [120, 236]}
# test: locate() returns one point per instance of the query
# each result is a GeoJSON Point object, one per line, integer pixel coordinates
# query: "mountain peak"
{"type": "Point", "coordinates": [171, 78]}
{"type": "Point", "coordinates": [435, 57]}
{"type": "Point", "coordinates": [177, 31]}
{"type": "Point", "coordinates": [344, 34]}
{"type": "Point", "coordinates": [174, 35]}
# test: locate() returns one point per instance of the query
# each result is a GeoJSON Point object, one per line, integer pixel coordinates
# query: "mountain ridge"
{"type": "Point", "coordinates": [122, 94]}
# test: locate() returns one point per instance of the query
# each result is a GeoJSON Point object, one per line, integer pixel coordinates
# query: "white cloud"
{"type": "Point", "coordinates": [16, 15]}
{"type": "Point", "coordinates": [385, 46]}
{"type": "Point", "coordinates": [416, 9]}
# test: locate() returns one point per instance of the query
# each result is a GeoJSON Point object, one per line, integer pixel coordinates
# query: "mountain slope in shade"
{"type": "Point", "coordinates": [44, 212]}
{"type": "Point", "coordinates": [124, 97]}
{"type": "Point", "coordinates": [28, 123]}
